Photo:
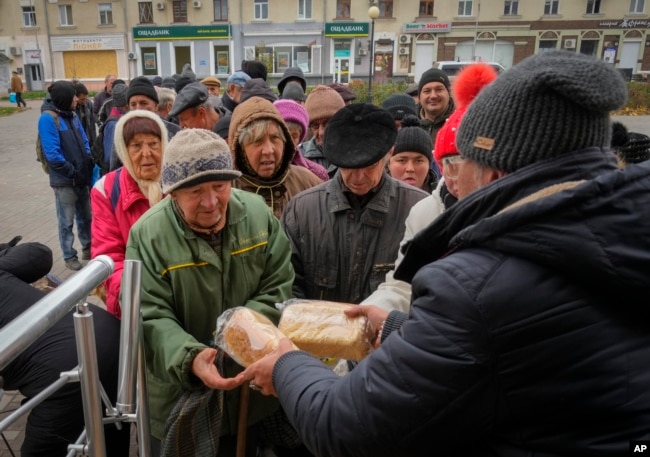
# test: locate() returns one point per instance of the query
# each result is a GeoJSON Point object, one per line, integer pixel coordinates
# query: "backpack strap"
{"type": "Point", "coordinates": [55, 115]}
{"type": "Point", "coordinates": [115, 190]}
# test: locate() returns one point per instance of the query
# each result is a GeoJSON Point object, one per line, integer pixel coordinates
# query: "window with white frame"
{"type": "Point", "coordinates": [304, 9]}
{"type": "Point", "coordinates": [65, 15]}
{"type": "Point", "coordinates": [29, 16]}
{"type": "Point", "coordinates": [551, 7]}
{"type": "Point", "coordinates": [261, 9]}
{"type": "Point", "coordinates": [220, 10]}
{"type": "Point", "coordinates": [145, 12]}
{"type": "Point", "coordinates": [593, 6]}
{"type": "Point", "coordinates": [637, 6]}
{"type": "Point", "coordinates": [511, 7]}
{"type": "Point", "coordinates": [106, 13]}
{"type": "Point", "coordinates": [464, 7]}
{"type": "Point", "coordinates": [279, 58]}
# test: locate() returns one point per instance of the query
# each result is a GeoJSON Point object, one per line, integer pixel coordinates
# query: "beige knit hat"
{"type": "Point", "coordinates": [323, 102]}
{"type": "Point", "coordinates": [195, 156]}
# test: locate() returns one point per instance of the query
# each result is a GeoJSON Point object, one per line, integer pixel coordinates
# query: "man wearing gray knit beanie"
{"type": "Point", "coordinates": [205, 248]}
{"type": "Point", "coordinates": [527, 332]}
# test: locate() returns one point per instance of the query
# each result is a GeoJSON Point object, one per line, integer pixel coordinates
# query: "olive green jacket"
{"type": "Point", "coordinates": [186, 286]}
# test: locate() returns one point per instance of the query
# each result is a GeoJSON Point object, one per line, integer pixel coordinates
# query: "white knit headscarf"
{"type": "Point", "coordinates": [149, 188]}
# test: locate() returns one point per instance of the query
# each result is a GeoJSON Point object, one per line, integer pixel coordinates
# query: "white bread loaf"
{"type": "Point", "coordinates": [247, 335]}
{"type": "Point", "coordinates": [322, 329]}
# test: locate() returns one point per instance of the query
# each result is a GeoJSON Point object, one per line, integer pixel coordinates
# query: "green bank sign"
{"type": "Point", "coordinates": [346, 29]}
{"type": "Point", "coordinates": [182, 32]}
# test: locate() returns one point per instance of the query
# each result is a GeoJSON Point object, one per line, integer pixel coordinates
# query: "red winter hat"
{"type": "Point", "coordinates": [466, 87]}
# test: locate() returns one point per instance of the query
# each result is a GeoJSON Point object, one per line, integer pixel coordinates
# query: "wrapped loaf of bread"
{"type": "Point", "coordinates": [322, 329]}
{"type": "Point", "coordinates": [246, 335]}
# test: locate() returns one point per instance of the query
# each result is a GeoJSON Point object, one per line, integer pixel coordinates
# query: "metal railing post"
{"type": "Point", "coordinates": [89, 378]}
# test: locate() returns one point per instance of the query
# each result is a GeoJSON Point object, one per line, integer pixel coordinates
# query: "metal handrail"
{"type": "Point", "coordinates": [25, 329]}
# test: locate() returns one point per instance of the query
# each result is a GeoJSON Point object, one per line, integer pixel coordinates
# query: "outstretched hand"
{"type": "Point", "coordinates": [204, 368]}
{"type": "Point", "coordinates": [260, 373]}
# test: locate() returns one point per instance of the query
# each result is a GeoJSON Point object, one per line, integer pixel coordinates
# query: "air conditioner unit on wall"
{"type": "Point", "coordinates": [196, 4]}
{"type": "Point", "coordinates": [15, 51]}
{"type": "Point", "coordinates": [405, 39]}
{"type": "Point", "coordinates": [570, 43]}
{"type": "Point", "coordinates": [132, 56]}
{"type": "Point", "coordinates": [160, 6]}
{"type": "Point", "coordinates": [403, 51]}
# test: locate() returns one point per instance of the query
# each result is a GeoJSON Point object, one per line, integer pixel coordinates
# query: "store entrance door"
{"type": "Point", "coordinates": [342, 70]}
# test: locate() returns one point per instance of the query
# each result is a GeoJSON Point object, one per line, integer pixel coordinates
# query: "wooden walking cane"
{"type": "Point", "coordinates": [242, 424]}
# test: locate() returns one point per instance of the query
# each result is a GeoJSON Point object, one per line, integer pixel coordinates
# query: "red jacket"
{"type": "Point", "coordinates": [110, 227]}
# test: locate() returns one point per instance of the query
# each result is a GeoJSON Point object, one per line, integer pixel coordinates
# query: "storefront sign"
{"type": "Point", "coordinates": [87, 43]}
{"type": "Point", "coordinates": [346, 29]}
{"type": "Point", "coordinates": [182, 32]}
{"type": "Point", "coordinates": [626, 24]}
{"type": "Point", "coordinates": [32, 56]}
{"type": "Point", "coordinates": [421, 27]}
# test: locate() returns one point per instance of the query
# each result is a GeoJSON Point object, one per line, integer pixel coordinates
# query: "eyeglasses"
{"type": "Point", "coordinates": [451, 165]}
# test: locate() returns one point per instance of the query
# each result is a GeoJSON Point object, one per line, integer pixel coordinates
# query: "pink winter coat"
{"type": "Point", "coordinates": [110, 228]}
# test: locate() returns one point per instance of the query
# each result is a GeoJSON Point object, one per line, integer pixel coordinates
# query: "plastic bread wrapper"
{"type": "Point", "coordinates": [322, 329]}
{"type": "Point", "coordinates": [246, 335]}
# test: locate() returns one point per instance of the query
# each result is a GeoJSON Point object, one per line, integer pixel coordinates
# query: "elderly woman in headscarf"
{"type": "Point", "coordinates": [262, 150]}
{"type": "Point", "coordinates": [120, 197]}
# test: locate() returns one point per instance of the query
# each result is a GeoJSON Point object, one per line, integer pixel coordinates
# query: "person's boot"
{"type": "Point", "coordinates": [73, 264]}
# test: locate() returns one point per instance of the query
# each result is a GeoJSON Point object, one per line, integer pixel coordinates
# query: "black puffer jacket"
{"type": "Point", "coordinates": [528, 337]}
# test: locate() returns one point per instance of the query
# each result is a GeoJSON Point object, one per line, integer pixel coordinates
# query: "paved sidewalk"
{"type": "Point", "coordinates": [27, 209]}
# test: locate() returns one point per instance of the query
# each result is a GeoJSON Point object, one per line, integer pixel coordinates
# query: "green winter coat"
{"type": "Point", "coordinates": [186, 286]}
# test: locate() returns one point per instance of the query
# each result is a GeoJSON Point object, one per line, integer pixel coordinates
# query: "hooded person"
{"type": "Point", "coordinates": [292, 74]}
{"type": "Point", "coordinates": [293, 91]}
{"type": "Point", "coordinates": [254, 69]}
{"type": "Point", "coordinates": [263, 151]}
{"type": "Point", "coordinates": [187, 76]}
{"type": "Point", "coordinates": [120, 197]}
{"type": "Point", "coordinates": [66, 151]}
{"type": "Point", "coordinates": [257, 87]}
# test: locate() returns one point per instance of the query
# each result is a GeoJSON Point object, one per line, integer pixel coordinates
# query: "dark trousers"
{"type": "Point", "coordinates": [19, 100]}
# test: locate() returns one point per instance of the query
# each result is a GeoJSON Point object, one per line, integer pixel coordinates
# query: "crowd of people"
{"type": "Point", "coordinates": [493, 231]}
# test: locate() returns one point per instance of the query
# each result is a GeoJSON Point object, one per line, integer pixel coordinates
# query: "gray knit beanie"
{"type": "Point", "coordinates": [549, 104]}
{"type": "Point", "coordinates": [195, 156]}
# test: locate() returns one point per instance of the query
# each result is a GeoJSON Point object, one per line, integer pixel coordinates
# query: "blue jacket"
{"type": "Point", "coordinates": [527, 335]}
{"type": "Point", "coordinates": [66, 149]}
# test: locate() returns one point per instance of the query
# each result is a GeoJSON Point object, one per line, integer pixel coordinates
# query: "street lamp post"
{"type": "Point", "coordinates": [373, 13]}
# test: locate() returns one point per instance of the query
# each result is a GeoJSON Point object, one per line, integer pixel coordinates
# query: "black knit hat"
{"type": "Point", "coordinates": [433, 75]}
{"type": "Point", "coordinates": [549, 104]}
{"type": "Point", "coordinates": [142, 86]}
{"type": "Point", "coordinates": [631, 147]}
{"type": "Point", "coordinates": [400, 105]}
{"type": "Point", "coordinates": [257, 87]}
{"type": "Point", "coordinates": [292, 74]}
{"type": "Point", "coordinates": [413, 138]}
{"type": "Point", "coordinates": [359, 135]}
{"type": "Point", "coordinates": [254, 69]}
{"type": "Point", "coordinates": [62, 94]}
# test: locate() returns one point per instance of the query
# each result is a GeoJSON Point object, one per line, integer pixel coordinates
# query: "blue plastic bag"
{"type": "Point", "coordinates": [12, 97]}
{"type": "Point", "coordinates": [97, 173]}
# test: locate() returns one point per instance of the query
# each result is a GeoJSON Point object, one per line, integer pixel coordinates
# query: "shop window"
{"type": "Point", "coordinates": [29, 16]}
{"type": "Point", "coordinates": [589, 47]}
{"type": "Point", "coordinates": [511, 7]}
{"type": "Point", "coordinates": [278, 58]}
{"type": "Point", "coordinates": [464, 7]}
{"type": "Point", "coordinates": [105, 13]}
{"type": "Point", "coordinates": [220, 10]}
{"type": "Point", "coordinates": [145, 12]}
{"type": "Point", "coordinates": [65, 15]}
{"type": "Point", "coordinates": [343, 9]}
{"type": "Point", "coordinates": [426, 9]}
{"type": "Point", "coordinates": [222, 60]}
{"type": "Point", "coordinates": [261, 9]}
{"type": "Point", "coordinates": [179, 10]}
{"type": "Point", "coordinates": [547, 45]}
{"type": "Point", "coordinates": [551, 7]}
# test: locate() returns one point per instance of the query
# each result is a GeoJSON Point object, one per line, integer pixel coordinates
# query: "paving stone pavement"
{"type": "Point", "coordinates": [27, 209]}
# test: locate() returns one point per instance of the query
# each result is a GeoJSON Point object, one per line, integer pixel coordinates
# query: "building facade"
{"type": "Point", "coordinates": [330, 40]}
